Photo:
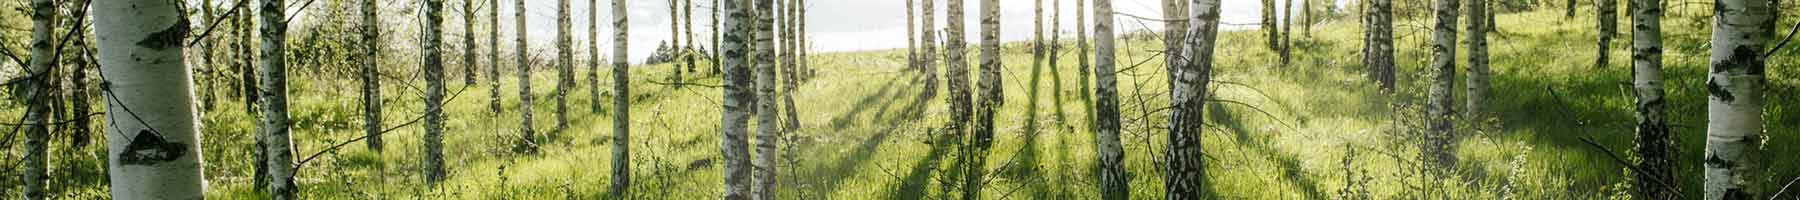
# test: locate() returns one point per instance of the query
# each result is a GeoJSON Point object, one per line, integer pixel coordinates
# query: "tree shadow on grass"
{"type": "Point", "coordinates": [883, 96]}
{"type": "Point", "coordinates": [1291, 170]}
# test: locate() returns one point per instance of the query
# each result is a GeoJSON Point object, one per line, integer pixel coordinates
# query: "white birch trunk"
{"type": "Point", "coordinates": [277, 143]}
{"type": "Point", "coordinates": [1734, 129]}
{"type": "Point", "coordinates": [1478, 73]}
{"type": "Point", "coordinates": [1186, 176]}
{"type": "Point", "coordinates": [621, 74]}
{"type": "Point", "coordinates": [37, 94]}
{"type": "Point", "coordinates": [528, 135]}
{"type": "Point", "coordinates": [1113, 182]}
{"type": "Point", "coordinates": [1657, 178]}
{"type": "Point", "coordinates": [1439, 109]}
{"type": "Point", "coordinates": [154, 152]}
{"type": "Point", "coordinates": [434, 92]}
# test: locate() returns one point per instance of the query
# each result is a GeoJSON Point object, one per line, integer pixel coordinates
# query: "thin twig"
{"type": "Point", "coordinates": [1635, 169]}
{"type": "Point", "coordinates": [216, 21]}
{"type": "Point", "coordinates": [333, 148]}
{"type": "Point", "coordinates": [687, 84]}
{"type": "Point", "coordinates": [1784, 187]}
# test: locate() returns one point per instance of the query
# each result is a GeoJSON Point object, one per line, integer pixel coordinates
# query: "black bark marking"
{"type": "Point", "coordinates": [1715, 161]}
{"type": "Point", "coordinates": [167, 38]}
{"type": "Point", "coordinates": [1712, 87]}
{"type": "Point", "coordinates": [149, 148]}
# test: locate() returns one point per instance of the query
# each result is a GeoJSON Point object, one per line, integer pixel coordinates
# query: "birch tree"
{"type": "Point", "coordinates": [494, 56]}
{"type": "Point", "coordinates": [767, 135]}
{"type": "Point", "coordinates": [991, 99]}
{"type": "Point", "coordinates": [434, 91]}
{"type": "Point", "coordinates": [1380, 44]}
{"type": "Point", "coordinates": [527, 137]}
{"type": "Point", "coordinates": [153, 153]}
{"type": "Point", "coordinates": [1734, 130]}
{"type": "Point", "coordinates": [273, 99]}
{"type": "Point", "coordinates": [1287, 34]}
{"type": "Point", "coordinates": [806, 70]}
{"type": "Point", "coordinates": [594, 56]}
{"type": "Point", "coordinates": [1082, 69]}
{"type": "Point", "coordinates": [1439, 99]}
{"type": "Point", "coordinates": [675, 40]}
{"type": "Point", "coordinates": [1656, 180]}
{"type": "Point", "coordinates": [371, 74]}
{"type": "Point", "coordinates": [1186, 165]}
{"type": "Point", "coordinates": [621, 74]}
{"type": "Point", "coordinates": [1106, 110]}
{"type": "Point", "coordinates": [912, 43]}
{"type": "Point", "coordinates": [745, 23]}
{"type": "Point", "coordinates": [1268, 25]}
{"type": "Point", "coordinates": [565, 65]}
{"type": "Point", "coordinates": [789, 76]}
{"type": "Point", "coordinates": [928, 54]}
{"type": "Point", "coordinates": [1477, 85]}
{"type": "Point", "coordinates": [469, 63]}
{"type": "Point", "coordinates": [1174, 34]}
{"type": "Point", "coordinates": [247, 87]}
{"type": "Point", "coordinates": [37, 94]}
{"type": "Point", "coordinates": [687, 23]}
{"type": "Point", "coordinates": [957, 71]}
{"type": "Point", "coordinates": [1607, 26]}
{"type": "Point", "coordinates": [1056, 92]}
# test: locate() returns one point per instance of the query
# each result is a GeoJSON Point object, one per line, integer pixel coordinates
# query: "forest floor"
{"type": "Point", "coordinates": [1313, 129]}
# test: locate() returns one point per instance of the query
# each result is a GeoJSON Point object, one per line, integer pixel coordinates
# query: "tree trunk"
{"type": "Point", "coordinates": [1381, 44]}
{"type": "Point", "coordinates": [1174, 35]}
{"type": "Point", "coordinates": [494, 56]}
{"type": "Point", "coordinates": [247, 66]}
{"type": "Point", "coordinates": [1657, 180]}
{"type": "Point", "coordinates": [767, 135]}
{"type": "Point", "coordinates": [1306, 18]}
{"type": "Point", "coordinates": [469, 63]}
{"type": "Point", "coordinates": [1056, 74]}
{"type": "Point", "coordinates": [991, 97]}
{"type": "Point", "coordinates": [1734, 130]}
{"type": "Point", "coordinates": [1106, 110]}
{"type": "Point", "coordinates": [687, 20]}
{"type": "Point", "coordinates": [565, 65]}
{"type": "Point", "coordinates": [806, 70]}
{"type": "Point", "coordinates": [751, 24]}
{"type": "Point", "coordinates": [36, 92]}
{"type": "Point", "coordinates": [1443, 62]}
{"type": "Point", "coordinates": [247, 74]}
{"type": "Point", "coordinates": [1082, 68]}
{"type": "Point", "coordinates": [912, 42]}
{"type": "Point", "coordinates": [1607, 27]}
{"type": "Point", "coordinates": [928, 54]}
{"type": "Point", "coordinates": [273, 91]}
{"type": "Point", "coordinates": [158, 158]}
{"type": "Point", "coordinates": [715, 39]}
{"type": "Point", "coordinates": [1287, 33]}
{"type": "Point", "coordinates": [675, 40]}
{"type": "Point", "coordinates": [789, 76]}
{"type": "Point", "coordinates": [621, 72]}
{"type": "Point", "coordinates": [209, 71]}
{"type": "Point", "coordinates": [434, 91]}
{"type": "Point", "coordinates": [594, 56]}
{"type": "Point", "coordinates": [528, 137]}
{"type": "Point", "coordinates": [1478, 60]}
{"type": "Point", "coordinates": [1268, 25]}
{"type": "Point", "coordinates": [1186, 176]}
{"type": "Point", "coordinates": [957, 70]}
{"type": "Point", "coordinates": [371, 78]}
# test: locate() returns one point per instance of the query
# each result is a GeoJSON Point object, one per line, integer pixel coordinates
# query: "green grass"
{"type": "Point", "coordinates": [1279, 132]}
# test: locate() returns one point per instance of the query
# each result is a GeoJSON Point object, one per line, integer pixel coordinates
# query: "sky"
{"type": "Point", "coordinates": [834, 25]}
